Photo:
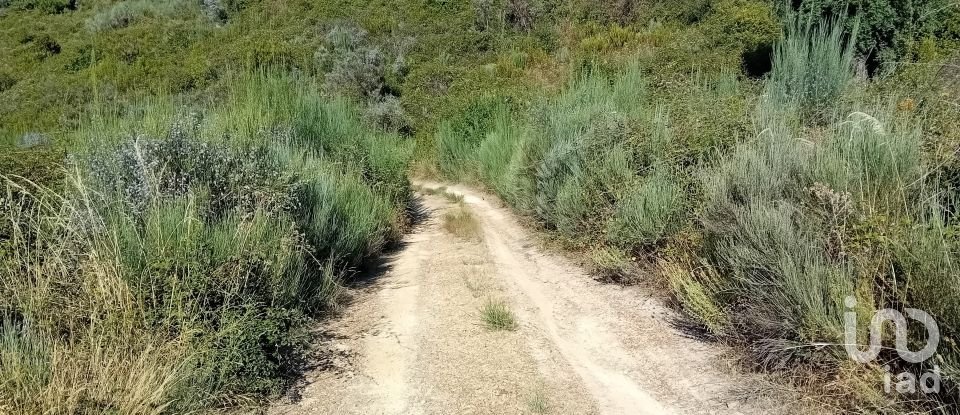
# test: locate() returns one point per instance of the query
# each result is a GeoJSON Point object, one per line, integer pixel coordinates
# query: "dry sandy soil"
{"type": "Point", "coordinates": [413, 341]}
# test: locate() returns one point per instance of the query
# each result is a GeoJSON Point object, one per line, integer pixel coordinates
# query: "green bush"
{"type": "Point", "coordinates": [180, 265]}
{"type": "Point", "coordinates": [7, 81]}
{"type": "Point", "coordinates": [46, 6]}
{"type": "Point", "coordinates": [771, 252]}
{"type": "Point", "coordinates": [128, 12]}
{"type": "Point", "coordinates": [458, 139]}
{"type": "Point", "coordinates": [887, 28]}
{"type": "Point", "coordinates": [784, 232]}
{"type": "Point", "coordinates": [650, 211]}
{"type": "Point", "coordinates": [499, 154]}
{"type": "Point", "coordinates": [747, 27]}
{"type": "Point", "coordinates": [812, 67]}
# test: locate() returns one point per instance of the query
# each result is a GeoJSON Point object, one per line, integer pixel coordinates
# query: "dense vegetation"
{"type": "Point", "coordinates": [186, 250]}
{"type": "Point", "coordinates": [798, 190]}
{"type": "Point", "coordinates": [186, 182]}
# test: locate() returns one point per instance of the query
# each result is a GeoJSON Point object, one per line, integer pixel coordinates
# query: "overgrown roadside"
{"type": "Point", "coordinates": [576, 346]}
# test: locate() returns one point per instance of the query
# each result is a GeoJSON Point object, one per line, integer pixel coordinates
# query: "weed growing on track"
{"type": "Point", "coordinates": [497, 316]}
{"type": "Point", "coordinates": [537, 403]}
{"type": "Point", "coordinates": [460, 222]}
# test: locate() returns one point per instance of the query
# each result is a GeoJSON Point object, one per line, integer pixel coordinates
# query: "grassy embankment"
{"type": "Point", "coordinates": [177, 267]}
{"type": "Point", "coordinates": [762, 204]}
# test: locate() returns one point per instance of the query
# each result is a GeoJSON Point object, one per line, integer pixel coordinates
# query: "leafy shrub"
{"type": "Point", "coordinates": [214, 10]}
{"type": "Point", "coordinates": [887, 28]}
{"type": "Point", "coordinates": [351, 64]}
{"type": "Point", "coordinates": [47, 6]}
{"type": "Point", "coordinates": [520, 14]}
{"type": "Point", "coordinates": [245, 180]}
{"type": "Point", "coordinates": [486, 14]}
{"type": "Point", "coordinates": [387, 113]}
{"type": "Point", "coordinates": [359, 74]}
{"type": "Point", "coordinates": [749, 27]}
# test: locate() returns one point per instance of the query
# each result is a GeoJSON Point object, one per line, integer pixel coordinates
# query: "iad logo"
{"type": "Point", "coordinates": [906, 381]}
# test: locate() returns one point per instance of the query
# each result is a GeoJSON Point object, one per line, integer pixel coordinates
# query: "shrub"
{"type": "Point", "coordinates": [586, 151]}
{"type": "Point", "coordinates": [356, 67]}
{"type": "Point", "coordinates": [358, 73]}
{"type": "Point", "coordinates": [928, 260]}
{"type": "Point", "coordinates": [780, 220]}
{"type": "Point", "coordinates": [47, 6]}
{"type": "Point", "coordinates": [214, 10]}
{"type": "Point", "coordinates": [648, 212]}
{"type": "Point", "coordinates": [41, 164]}
{"type": "Point", "coordinates": [812, 67]}
{"type": "Point", "coordinates": [128, 12]}
{"type": "Point", "coordinates": [7, 81]}
{"type": "Point", "coordinates": [499, 154]}
{"type": "Point", "coordinates": [142, 170]}
{"type": "Point", "coordinates": [486, 14]}
{"type": "Point", "coordinates": [180, 265]}
{"type": "Point", "coordinates": [458, 139]}
{"type": "Point", "coordinates": [361, 71]}
{"type": "Point", "coordinates": [387, 113]}
{"type": "Point", "coordinates": [520, 14]}
{"type": "Point", "coordinates": [887, 28]}
{"type": "Point", "coordinates": [748, 27]}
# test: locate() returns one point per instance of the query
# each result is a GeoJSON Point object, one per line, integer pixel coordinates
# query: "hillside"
{"type": "Point", "coordinates": [194, 189]}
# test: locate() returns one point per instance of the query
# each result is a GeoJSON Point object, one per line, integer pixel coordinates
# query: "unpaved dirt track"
{"type": "Point", "coordinates": [413, 342]}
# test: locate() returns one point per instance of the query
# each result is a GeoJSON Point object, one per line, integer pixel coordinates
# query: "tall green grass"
{"type": "Point", "coordinates": [818, 207]}
{"type": "Point", "coordinates": [761, 223]}
{"type": "Point", "coordinates": [586, 163]}
{"type": "Point", "coordinates": [179, 265]}
{"type": "Point", "coordinates": [813, 65]}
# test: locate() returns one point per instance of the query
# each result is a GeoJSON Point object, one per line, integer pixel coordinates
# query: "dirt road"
{"type": "Point", "coordinates": [414, 340]}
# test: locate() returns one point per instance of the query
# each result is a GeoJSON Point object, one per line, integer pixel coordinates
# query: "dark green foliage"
{"type": "Point", "coordinates": [47, 6]}
{"type": "Point", "coordinates": [747, 26]}
{"type": "Point", "coordinates": [7, 81]}
{"type": "Point", "coordinates": [459, 138]}
{"type": "Point", "coordinates": [888, 28]}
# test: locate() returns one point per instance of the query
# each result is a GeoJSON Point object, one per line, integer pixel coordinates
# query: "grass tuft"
{"type": "Point", "coordinates": [460, 222]}
{"type": "Point", "coordinates": [537, 404]}
{"type": "Point", "coordinates": [497, 316]}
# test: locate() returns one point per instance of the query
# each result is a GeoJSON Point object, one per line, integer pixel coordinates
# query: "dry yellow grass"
{"type": "Point", "coordinates": [461, 223]}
